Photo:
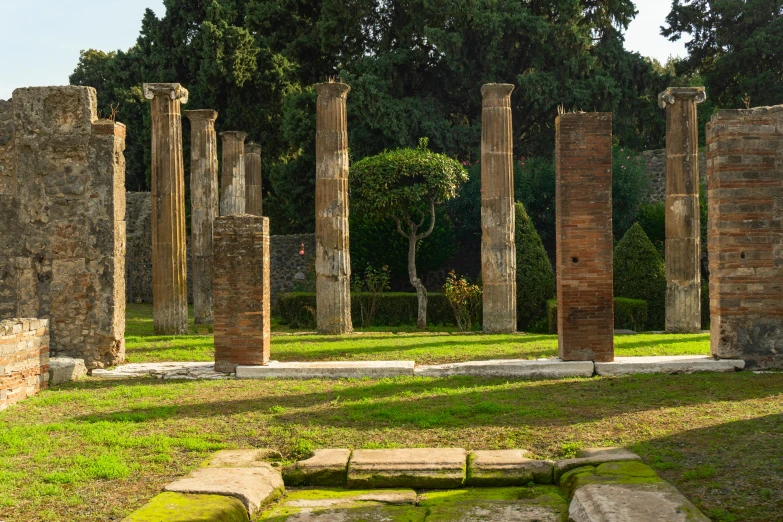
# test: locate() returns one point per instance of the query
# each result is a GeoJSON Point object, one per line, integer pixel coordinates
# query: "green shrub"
{"type": "Point", "coordinates": [640, 273]}
{"type": "Point", "coordinates": [629, 314]}
{"type": "Point", "coordinates": [652, 219]}
{"type": "Point", "coordinates": [535, 278]}
{"type": "Point", "coordinates": [630, 187]}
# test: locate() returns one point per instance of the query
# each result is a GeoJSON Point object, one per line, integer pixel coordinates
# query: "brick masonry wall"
{"type": "Point", "coordinates": [24, 359]}
{"type": "Point", "coordinates": [241, 291]}
{"type": "Point", "coordinates": [745, 184]}
{"type": "Point", "coordinates": [583, 192]}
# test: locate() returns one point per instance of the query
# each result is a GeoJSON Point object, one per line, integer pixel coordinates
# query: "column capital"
{"type": "Point", "coordinates": [233, 135]}
{"type": "Point", "coordinates": [201, 114]}
{"type": "Point", "coordinates": [174, 91]}
{"type": "Point", "coordinates": [333, 89]}
{"type": "Point", "coordinates": [672, 94]}
{"type": "Point", "coordinates": [253, 148]}
{"type": "Point", "coordinates": [496, 94]}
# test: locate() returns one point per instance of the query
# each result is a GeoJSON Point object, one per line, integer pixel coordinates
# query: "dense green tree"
{"type": "Point", "coordinates": [640, 273]}
{"type": "Point", "coordinates": [535, 277]}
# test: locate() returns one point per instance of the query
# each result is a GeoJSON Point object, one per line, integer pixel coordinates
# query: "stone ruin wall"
{"type": "Point", "coordinates": [24, 359]}
{"type": "Point", "coordinates": [655, 161]}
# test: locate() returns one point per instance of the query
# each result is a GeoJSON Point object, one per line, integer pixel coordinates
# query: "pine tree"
{"type": "Point", "coordinates": [535, 278]}
{"type": "Point", "coordinates": [640, 273]}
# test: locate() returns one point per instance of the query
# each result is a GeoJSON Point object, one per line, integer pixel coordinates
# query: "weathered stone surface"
{"type": "Point", "coordinates": [498, 250]}
{"type": "Point", "coordinates": [162, 370]}
{"type": "Point", "coordinates": [627, 472]}
{"type": "Point", "coordinates": [292, 262]}
{"type": "Point", "coordinates": [327, 467]}
{"type": "Point", "coordinates": [9, 212]}
{"type": "Point", "coordinates": [182, 507]}
{"type": "Point", "coordinates": [745, 188]}
{"type": "Point", "coordinates": [550, 368]}
{"type": "Point", "coordinates": [683, 248]}
{"type": "Point", "coordinates": [593, 457]}
{"type": "Point", "coordinates": [326, 370]}
{"type": "Point", "coordinates": [332, 254]}
{"type": "Point", "coordinates": [667, 364]}
{"type": "Point", "coordinates": [331, 505]}
{"type": "Point", "coordinates": [65, 369]}
{"type": "Point", "coordinates": [637, 502]}
{"type": "Point", "coordinates": [204, 208]}
{"type": "Point", "coordinates": [245, 458]}
{"type": "Point", "coordinates": [583, 192]}
{"type": "Point", "coordinates": [254, 487]}
{"type": "Point", "coordinates": [253, 194]}
{"type": "Point", "coordinates": [413, 468]}
{"type": "Point", "coordinates": [538, 504]}
{"type": "Point", "coordinates": [24, 359]}
{"type": "Point", "coordinates": [241, 291]}
{"type": "Point", "coordinates": [169, 264]}
{"type": "Point", "coordinates": [232, 180]}
{"type": "Point", "coordinates": [507, 468]}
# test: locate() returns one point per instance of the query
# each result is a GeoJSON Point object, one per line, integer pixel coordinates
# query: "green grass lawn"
{"type": "Point", "coordinates": [440, 346]}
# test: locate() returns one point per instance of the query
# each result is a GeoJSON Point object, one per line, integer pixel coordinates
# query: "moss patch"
{"type": "Point", "coordinates": [181, 507]}
{"type": "Point", "coordinates": [495, 504]}
{"type": "Point", "coordinates": [346, 505]}
{"type": "Point", "coordinates": [629, 472]}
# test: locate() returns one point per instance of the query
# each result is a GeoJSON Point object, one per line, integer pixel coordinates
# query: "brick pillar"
{"type": "Point", "coordinates": [232, 183]}
{"type": "Point", "coordinates": [498, 251]}
{"type": "Point", "coordinates": [169, 269]}
{"type": "Point", "coordinates": [332, 256]}
{"type": "Point", "coordinates": [253, 203]}
{"type": "Point", "coordinates": [583, 191]}
{"type": "Point", "coordinates": [241, 289]}
{"type": "Point", "coordinates": [745, 238]}
{"type": "Point", "coordinates": [203, 208]}
{"type": "Point", "coordinates": [683, 246]}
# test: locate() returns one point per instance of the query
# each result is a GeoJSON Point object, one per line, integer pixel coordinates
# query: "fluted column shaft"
{"type": "Point", "coordinates": [169, 269]}
{"type": "Point", "coordinates": [498, 251]}
{"type": "Point", "coordinates": [232, 182]}
{"type": "Point", "coordinates": [332, 257]}
{"type": "Point", "coordinates": [253, 201]}
{"type": "Point", "coordinates": [203, 208]}
{"type": "Point", "coordinates": [683, 244]}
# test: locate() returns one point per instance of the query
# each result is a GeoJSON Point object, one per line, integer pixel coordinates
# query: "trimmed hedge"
{"type": "Point", "coordinates": [640, 273]}
{"type": "Point", "coordinates": [629, 314]}
{"type": "Point", "coordinates": [297, 309]}
{"type": "Point", "coordinates": [535, 277]}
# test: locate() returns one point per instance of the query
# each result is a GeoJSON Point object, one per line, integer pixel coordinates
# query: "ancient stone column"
{"type": "Point", "coordinates": [241, 287]}
{"type": "Point", "coordinates": [332, 257]}
{"type": "Point", "coordinates": [232, 183]}
{"type": "Point", "coordinates": [498, 251]}
{"type": "Point", "coordinates": [203, 208]}
{"type": "Point", "coordinates": [253, 204]}
{"type": "Point", "coordinates": [169, 269]}
{"type": "Point", "coordinates": [683, 246]}
{"type": "Point", "coordinates": [583, 195]}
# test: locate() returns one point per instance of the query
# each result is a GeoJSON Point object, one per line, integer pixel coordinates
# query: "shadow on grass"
{"type": "Point", "coordinates": [662, 341]}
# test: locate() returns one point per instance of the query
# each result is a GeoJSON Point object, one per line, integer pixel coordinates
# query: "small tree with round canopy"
{"type": "Point", "coordinates": [405, 185]}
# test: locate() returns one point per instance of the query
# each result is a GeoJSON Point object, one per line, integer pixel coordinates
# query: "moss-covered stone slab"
{"type": "Point", "coordinates": [183, 507]}
{"type": "Point", "coordinates": [327, 467]}
{"type": "Point", "coordinates": [593, 457]}
{"type": "Point", "coordinates": [653, 502]}
{"type": "Point", "coordinates": [244, 458]}
{"type": "Point", "coordinates": [497, 468]}
{"type": "Point", "coordinates": [426, 468]}
{"type": "Point", "coordinates": [540, 503]}
{"type": "Point", "coordinates": [330, 505]}
{"type": "Point", "coordinates": [627, 472]}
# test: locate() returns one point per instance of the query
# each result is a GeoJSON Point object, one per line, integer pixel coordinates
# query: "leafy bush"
{"type": "Point", "coordinates": [652, 219]}
{"type": "Point", "coordinates": [534, 187]}
{"type": "Point", "coordinates": [629, 314]}
{"type": "Point", "coordinates": [464, 298]}
{"type": "Point", "coordinates": [535, 278]}
{"type": "Point", "coordinates": [375, 282]}
{"type": "Point", "coordinates": [640, 273]}
{"type": "Point", "coordinates": [630, 187]}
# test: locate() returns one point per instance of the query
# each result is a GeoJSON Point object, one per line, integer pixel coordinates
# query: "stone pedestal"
{"type": "Point", "coordinates": [583, 192]}
{"type": "Point", "coordinates": [203, 208]}
{"type": "Point", "coordinates": [745, 193]}
{"type": "Point", "coordinates": [253, 201]}
{"type": "Point", "coordinates": [169, 270]}
{"type": "Point", "coordinates": [241, 289]}
{"type": "Point", "coordinates": [232, 183]}
{"type": "Point", "coordinates": [683, 246]}
{"type": "Point", "coordinates": [498, 251]}
{"type": "Point", "coordinates": [332, 256]}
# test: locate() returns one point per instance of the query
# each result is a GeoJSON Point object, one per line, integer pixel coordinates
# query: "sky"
{"type": "Point", "coordinates": [40, 45]}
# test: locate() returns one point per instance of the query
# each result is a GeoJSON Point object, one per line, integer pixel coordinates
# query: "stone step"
{"type": "Point", "coordinates": [654, 502]}
{"type": "Point", "coordinates": [438, 468]}
{"type": "Point", "coordinates": [548, 368]}
{"type": "Point", "coordinates": [326, 370]}
{"type": "Point", "coordinates": [65, 369]}
{"type": "Point", "coordinates": [667, 364]}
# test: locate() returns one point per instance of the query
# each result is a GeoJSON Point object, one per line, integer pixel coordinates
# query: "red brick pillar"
{"type": "Point", "coordinates": [585, 307]}
{"type": "Point", "coordinates": [241, 291]}
{"type": "Point", "coordinates": [745, 238]}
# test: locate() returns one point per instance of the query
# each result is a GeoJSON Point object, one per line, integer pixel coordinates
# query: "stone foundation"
{"type": "Point", "coordinates": [24, 359]}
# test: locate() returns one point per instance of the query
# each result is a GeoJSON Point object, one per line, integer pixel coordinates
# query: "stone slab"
{"type": "Point", "coordinates": [537, 504]}
{"type": "Point", "coordinates": [65, 369]}
{"type": "Point", "coordinates": [332, 505]}
{"type": "Point", "coordinates": [327, 467]}
{"type": "Point", "coordinates": [593, 457]}
{"type": "Point", "coordinates": [549, 368]}
{"type": "Point", "coordinates": [255, 487]}
{"type": "Point", "coordinates": [326, 370]}
{"type": "Point", "coordinates": [667, 364]}
{"type": "Point", "coordinates": [511, 467]}
{"type": "Point", "coordinates": [162, 370]}
{"type": "Point", "coordinates": [182, 507]}
{"type": "Point", "coordinates": [246, 458]}
{"type": "Point", "coordinates": [637, 502]}
{"type": "Point", "coordinates": [625, 472]}
{"type": "Point", "coordinates": [410, 468]}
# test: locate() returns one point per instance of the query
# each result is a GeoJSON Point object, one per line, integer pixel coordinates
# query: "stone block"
{"type": "Point", "coordinates": [540, 504]}
{"type": "Point", "coordinates": [506, 468]}
{"type": "Point", "coordinates": [637, 502]}
{"type": "Point", "coordinates": [332, 504]}
{"type": "Point", "coordinates": [65, 369]}
{"type": "Point", "coordinates": [438, 468]}
{"type": "Point", "coordinates": [245, 458]}
{"type": "Point", "coordinates": [327, 467]}
{"type": "Point", "coordinates": [593, 457]}
{"type": "Point", "coordinates": [667, 364]}
{"type": "Point", "coordinates": [520, 368]}
{"type": "Point", "coordinates": [182, 507]}
{"type": "Point", "coordinates": [326, 370]}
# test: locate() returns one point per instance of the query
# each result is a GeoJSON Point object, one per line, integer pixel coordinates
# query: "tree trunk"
{"type": "Point", "coordinates": [421, 292]}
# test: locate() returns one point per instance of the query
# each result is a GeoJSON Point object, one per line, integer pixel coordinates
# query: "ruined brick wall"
{"type": "Point", "coordinates": [24, 359]}
{"type": "Point", "coordinates": [10, 230]}
{"type": "Point", "coordinates": [241, 291]}
{"type": "Point", "coordinates": [70, 259]}
{"type": "Point", "coordinates": [745, 235]}
{"type": "Point", "coordinates": [583, 192]}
